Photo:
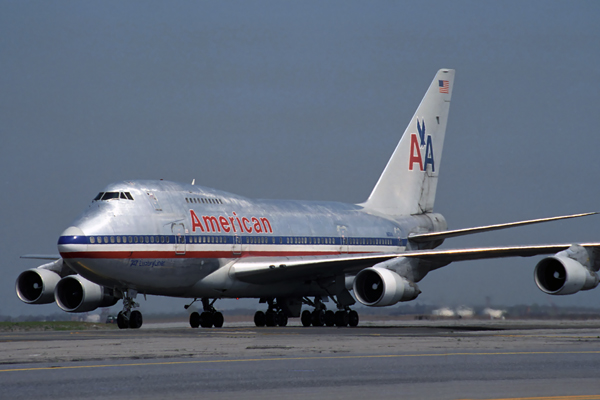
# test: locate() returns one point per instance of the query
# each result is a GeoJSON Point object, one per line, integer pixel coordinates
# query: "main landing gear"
{"type": "Point", "coordinates": [274, 316]}
{"type": "Point", "coordinates": [208, 318]}
{"type": "Point", "coordinates": [329, 318]}
{"type": "Point", "coordinates": [129, 318]}
{"type": "Point", "coordinates": [323, 317]}
{"type": "Point", "coordinates": [277, 314]}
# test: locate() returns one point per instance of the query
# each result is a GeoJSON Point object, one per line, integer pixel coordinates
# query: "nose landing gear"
{"type": "Point", "coordinates": [129, 318]}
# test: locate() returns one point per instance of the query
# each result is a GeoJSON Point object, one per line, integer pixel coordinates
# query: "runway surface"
{"type": "Point", "coordinates": [409, 360]}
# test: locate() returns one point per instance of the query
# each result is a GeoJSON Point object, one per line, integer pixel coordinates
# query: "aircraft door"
{"type": "Point", "coordinates": [237, 245]}
{"type": "Point", "coordinates": [343, 239]}
{"type": "Point", "coordinates": [179, 232]}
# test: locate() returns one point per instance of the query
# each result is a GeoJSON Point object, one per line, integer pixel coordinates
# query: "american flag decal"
{"type": "Point", "coordinates": [444, 86]}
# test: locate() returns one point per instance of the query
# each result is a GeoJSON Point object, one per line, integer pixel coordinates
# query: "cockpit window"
{"type": "Point", "coordinates": [113, 196]}
{"type": "Point", "coordinates": [110, 195]}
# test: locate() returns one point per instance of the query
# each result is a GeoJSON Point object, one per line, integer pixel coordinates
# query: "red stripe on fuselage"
{"type": "Point", "coordinates": [197, 254]}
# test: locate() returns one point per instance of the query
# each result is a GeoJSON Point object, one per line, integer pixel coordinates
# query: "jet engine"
{"type": "Point", "coordinates": [559, 275]}
{"type": "Point", "coordinates": [380, 287]}
{"type": "Point", "coordinates": [74, 293]}
{"type": "Point", "coordinates": [36, 286]}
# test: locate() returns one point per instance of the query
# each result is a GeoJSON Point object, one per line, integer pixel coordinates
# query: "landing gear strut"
{"type": "Point", "coordinates": [208, 318]}
{"type": "Point", "coordinates": [274, 316]}
{"type": "Point", "coordinates": [129, 318]}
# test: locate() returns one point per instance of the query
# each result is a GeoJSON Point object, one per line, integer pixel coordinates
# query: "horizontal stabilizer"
{"type": "Point", "coordinates": [428, 237]}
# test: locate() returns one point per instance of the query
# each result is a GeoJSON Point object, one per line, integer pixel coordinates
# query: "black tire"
{"type": "Point", "coordinates": [271, 318]}
{"type": "Point", "coordinates": [353, 318]}
{"type": "Point", "coordinates": [194, 319]}
{"type": "Point", "coordinates": [135, 320]}
{"type": "Point", "coordinates": [282, 318]}
{"type": "Point", "coordinates": [206, 320]}
{"type": "Point", "coordinates": [318, 318]}
{"type": "Point", "coordinates": [341, 318]}
{"type": "Point", "coordinates": [306, 318]}
{"type": "Point", "coordinates": [329, 318]}
{"type": "Point", "coordinates": [218, 319]}
{"type": "Point", "coordinates": [122, 322]}
{"type": "Point", "coordinates": [260, 319]}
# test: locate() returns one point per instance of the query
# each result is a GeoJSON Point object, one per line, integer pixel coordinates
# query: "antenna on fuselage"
{"type": "Point", "coordinates": [193, 181]}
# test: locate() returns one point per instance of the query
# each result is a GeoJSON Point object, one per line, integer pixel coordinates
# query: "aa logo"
{"type": "Point", "coordinates": [420, 145]}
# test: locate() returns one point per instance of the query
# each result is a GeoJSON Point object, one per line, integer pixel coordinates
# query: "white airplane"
{"type": "Point", "coordinates": [171, 239]}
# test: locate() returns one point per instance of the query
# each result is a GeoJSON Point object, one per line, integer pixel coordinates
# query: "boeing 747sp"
{"type": "Point", "coordinates": [183, 240]}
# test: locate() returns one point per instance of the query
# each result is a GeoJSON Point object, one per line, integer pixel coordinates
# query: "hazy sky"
{"type": "Point", "coordinates": [302, 100]}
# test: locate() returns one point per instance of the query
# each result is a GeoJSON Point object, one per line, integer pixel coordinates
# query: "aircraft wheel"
{"type": "Point", "coordinates": [218, 320]}
{"type": "Point", "coordinates": [260, 319]}
{"type": "Point", "coordinates": [282, 318]}
{"type": "Point", "coordinates": [194, 319]}
{"type": "Point", "coordinates": [306, 318]}
{"type": "Point", "coordinates": [341, 318]}
{"type": "Point", "coordinates": [135, 320]}
{"type": "Point", "coordinates": [122, 322]}
{"type": "Point", "coordinates": [271, 318]}
{"type": "Point", "coordinates": [206, 320]}
{"type": "Point", "coordinates": [353, 318]}
{"type": "Point", "coordinates": [318, 318]}
{"type": "Point", "coordinates": [329, 318]}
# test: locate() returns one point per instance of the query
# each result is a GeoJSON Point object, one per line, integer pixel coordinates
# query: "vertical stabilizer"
{"type": "Point", "coordinates": [409, 180]}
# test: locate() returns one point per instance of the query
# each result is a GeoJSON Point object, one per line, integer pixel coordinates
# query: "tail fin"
{"type": "Point", "coordinates": [408, 183]}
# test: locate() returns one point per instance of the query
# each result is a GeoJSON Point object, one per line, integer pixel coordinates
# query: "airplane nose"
{"type": "Point", "coordinates": [72, 231]}
{"type": "Point", "coordinates": [73, 239]}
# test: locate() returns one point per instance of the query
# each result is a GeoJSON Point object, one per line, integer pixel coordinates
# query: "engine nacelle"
{"type": "Point", "coordinates": [559, 275]}
{"type": "Point", "coordinates": [36, 286]}
{"type": "Point", "coordinates": [380, 287]}
{"type": "Point", "coordinates": [74, 293]}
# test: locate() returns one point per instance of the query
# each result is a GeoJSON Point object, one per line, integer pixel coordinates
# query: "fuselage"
{"type": "Point", "coordinates": [173, 239]}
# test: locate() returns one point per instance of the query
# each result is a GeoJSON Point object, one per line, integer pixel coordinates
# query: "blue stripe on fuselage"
{"type": "Point", "coordinates": [228, 239]}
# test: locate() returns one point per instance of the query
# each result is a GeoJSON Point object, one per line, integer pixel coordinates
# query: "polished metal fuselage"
{"type": "Point", "coordinates": [182, 240]}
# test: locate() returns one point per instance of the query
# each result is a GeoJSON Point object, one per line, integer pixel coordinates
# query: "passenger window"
{"type": "Point", "coordinates": [112, 239]}
{"type": "Point", "coordinates": [92, 240]}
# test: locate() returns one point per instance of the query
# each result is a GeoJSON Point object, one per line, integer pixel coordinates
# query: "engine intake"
{"type": "Point", "coordinates": [74, 293]}
{"type": "Point", "coordinates": [36, 286]}
{"type": "Point", "coordinates": [560, 275]}
{"type": "Point", "coordinates": [380, 287]}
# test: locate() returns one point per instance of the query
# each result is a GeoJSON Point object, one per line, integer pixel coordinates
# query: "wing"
{"type": "Point", "coordinates": [427, 237]}
{"type": "Point", "coordinates": [270, 270]}
{"type": "Point", "coordinates": [51, 257]}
